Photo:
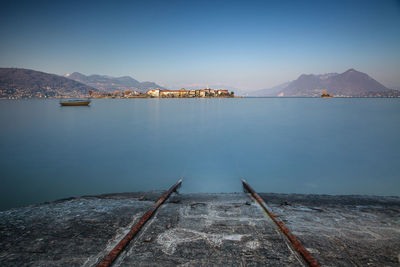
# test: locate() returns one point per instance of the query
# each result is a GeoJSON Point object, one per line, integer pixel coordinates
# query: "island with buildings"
{"type": "Point", "coordinates": [326, 95]}
{"type": "Point", "coordinates": [190, 93]}
{"type": "Point", "coordinates": [165, 93]}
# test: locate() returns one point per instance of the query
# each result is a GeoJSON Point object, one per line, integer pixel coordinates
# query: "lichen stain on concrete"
{"type": "Point", "coordinates": [205, 214]}
{"type": "Point", "coordinates": [204, 230]}
{"type": "Point", "coordinates": [210, 213]}
{"type": "Point", "coordinates": [254, 244]}
{"type": "Point", "coordinates": [170, 239]}
{"type": "Point", "coordinates": [210, 230]}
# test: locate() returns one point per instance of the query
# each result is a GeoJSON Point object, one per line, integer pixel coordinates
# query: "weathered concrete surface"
{"type": "Point", "coordinates": [70, 232]}
{"type": "Point", "coordinates": [210, 230]}
{"type": "Point", "coordinates": [203, 230]}
{"type": "Point", "coordinates": [343, 230]}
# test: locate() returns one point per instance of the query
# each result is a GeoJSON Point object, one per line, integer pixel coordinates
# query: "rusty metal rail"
{"type": "Point", "coordinates": [113, 254]}
{"type": "Point", "coordinates": [297, 245]}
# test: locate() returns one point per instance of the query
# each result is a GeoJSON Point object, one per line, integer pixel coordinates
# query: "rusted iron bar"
{"type": "Point", "coordinates": [297, 245]}
{"type": "Point", "coordinates": [113, 254]}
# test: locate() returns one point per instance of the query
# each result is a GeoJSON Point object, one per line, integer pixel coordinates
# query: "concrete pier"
{"type": "Point", "coordinates": [203, 230]}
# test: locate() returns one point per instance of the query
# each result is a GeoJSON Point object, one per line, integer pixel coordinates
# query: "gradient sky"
{"type": "Point", "coordinates": [243, 44]}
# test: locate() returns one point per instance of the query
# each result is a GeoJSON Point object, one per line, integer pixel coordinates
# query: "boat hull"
{"type": "Point", "coordinates": [77, 103]}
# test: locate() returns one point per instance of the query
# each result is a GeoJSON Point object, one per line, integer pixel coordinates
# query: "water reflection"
{"type": "Point", "coordinates": [339, 146]}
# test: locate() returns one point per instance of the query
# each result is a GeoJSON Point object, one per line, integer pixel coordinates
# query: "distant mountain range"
{"type": "Point", "coordinates": [109, 83]}
{"type": "Point", "coordinates": [351, 83]}
{"type": "Point", "coordinates": [24, 83]}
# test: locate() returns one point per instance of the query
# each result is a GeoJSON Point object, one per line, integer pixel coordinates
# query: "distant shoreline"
{"type": "Point", "coordinates": [146, 97]}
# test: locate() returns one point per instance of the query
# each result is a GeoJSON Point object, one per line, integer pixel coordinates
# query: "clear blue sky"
{"type": "Point", "coordinates": [243, 44]}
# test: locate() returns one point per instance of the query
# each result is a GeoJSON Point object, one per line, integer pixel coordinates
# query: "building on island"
{"type": "Point", "coordinates": [192, 93]}
{"type": "Point", "coordinates": [182, 93]}
{"type": "Point", "coordinates": [222, 92]}
{"type": "Point", "coordinates": [154, 93]}
{"type": "Point", "coordinates": [326, 95]}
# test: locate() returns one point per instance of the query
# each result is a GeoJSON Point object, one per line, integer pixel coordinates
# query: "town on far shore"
{"type": "Point", "coordinates": [164, 93]}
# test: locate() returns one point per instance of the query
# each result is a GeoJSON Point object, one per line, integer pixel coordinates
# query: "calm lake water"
{"type": "Point", "coordinates": [288, 145]}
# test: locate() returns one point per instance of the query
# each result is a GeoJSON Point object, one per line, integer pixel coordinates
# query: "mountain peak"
{"type": "Point", "coordinates": [351, 83]}
{"type": "Point", "coordinates": [352, 71]}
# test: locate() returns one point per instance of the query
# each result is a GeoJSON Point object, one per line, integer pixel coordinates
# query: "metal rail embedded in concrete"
{"type": "Point", "coordinates": [113, 254]}
{"type": "Point", "coordinates": [297, 245]}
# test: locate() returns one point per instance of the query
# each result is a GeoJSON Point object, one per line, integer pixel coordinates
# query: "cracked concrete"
{"type": "Point", "coordinates": [71, 232]}
{"type": "Point", "coordinates": [210, 230]}
{"type": "Point", "coordinates": [203, 230]}
{"type": "Point", "coordinates": [343, 230]}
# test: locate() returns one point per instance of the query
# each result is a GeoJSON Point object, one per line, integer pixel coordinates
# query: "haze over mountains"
{"type": "Point", "coordinates": [351, 83]}
{"type": "Point", "coordinates": [109, 83]}
{"type": "Point", "coordinates": [25, 83]}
